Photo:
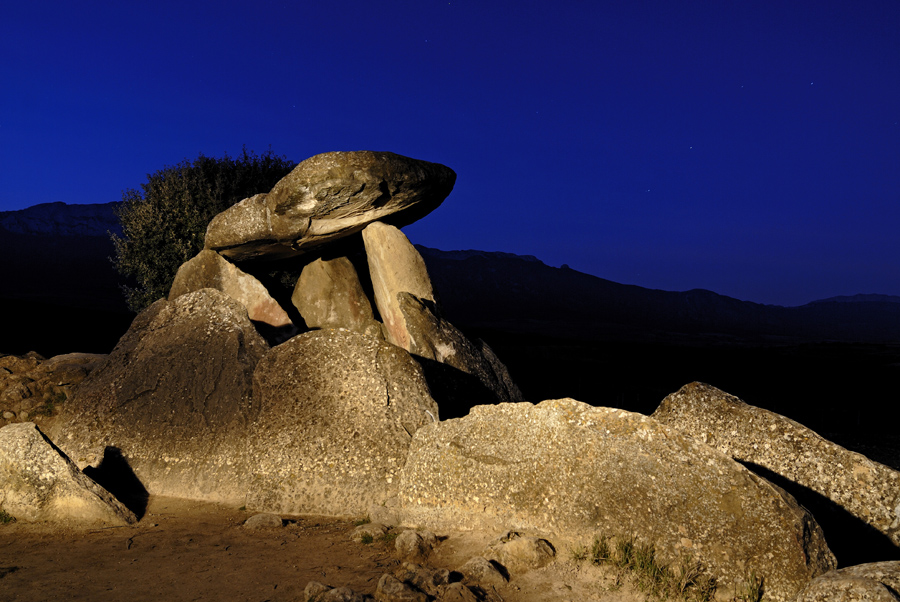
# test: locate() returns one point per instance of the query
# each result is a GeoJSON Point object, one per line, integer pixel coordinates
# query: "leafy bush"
{"type": "Point", "coordinates": [164, 223]}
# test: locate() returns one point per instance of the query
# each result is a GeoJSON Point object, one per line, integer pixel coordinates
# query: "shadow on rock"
{"type": "Point", "coordinates": [852, 540]}
{"type": "Point", "coordinates": [115, 475]}
{"type": "Point", "coordinates": [455, 391]}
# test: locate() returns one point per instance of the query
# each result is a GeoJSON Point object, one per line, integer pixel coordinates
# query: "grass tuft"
{"type": "Point", "coordinates": [686, 581]}
{"type": "Point", "coordinates": [6, 517]}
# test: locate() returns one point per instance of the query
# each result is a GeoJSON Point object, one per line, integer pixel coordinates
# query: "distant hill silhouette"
{"type": "Point", "coordinates": [59, 255]}
{"type": "Point", "coordinates": [522, 294]}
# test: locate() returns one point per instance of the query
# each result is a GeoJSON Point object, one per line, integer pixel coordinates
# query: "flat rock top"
{"type": "Point", "coordinates": [327, 197]}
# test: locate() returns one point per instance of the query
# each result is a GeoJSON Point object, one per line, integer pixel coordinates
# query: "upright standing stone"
{"type": "Point", "coordinates": [412, 320]}
{"type": "Point", "coordinates": [329, 295]}
{"type": "Point", "coordinates": [327, 197]}
{"type": "Point", "coordinates": [396, 267]}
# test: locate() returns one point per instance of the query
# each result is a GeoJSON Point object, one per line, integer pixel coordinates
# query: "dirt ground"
{"type": "Point", "coordinates": [186, 550]}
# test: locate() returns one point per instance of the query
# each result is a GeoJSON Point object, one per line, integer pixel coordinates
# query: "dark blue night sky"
{"type": "Point", "coordinates": [749, 148]}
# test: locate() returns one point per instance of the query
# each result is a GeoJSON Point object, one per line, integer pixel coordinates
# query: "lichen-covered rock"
{"type": "Point", "coordinates": [868, 490]}
{"type": "Point", "coordinates": [329, 295]}
{"type": "Point", "coordinates": [873, 582]}
{"type": "Point", "coordinates": [566, 470]}
{"type": "Point", "coordinates": [40, 483]}
{"type": "Point", "coordinates": [173, 396]}
{"type": "Point", "coordinates": [338, 412]}
{"type": "Point", "coordinates": [326, 197]}
{"type": "Point", "coordinates": [208, 269]}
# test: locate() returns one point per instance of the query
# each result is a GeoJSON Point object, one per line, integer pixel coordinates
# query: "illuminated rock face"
{"type": "Point", "coordinates": [40, 483]}
{"type": "Point", "coordinates": [329, 295]}
{"type": "Point", "coordinates": [569, 471]}
{"type": "Point", "coordinates": [209, 270]}
{"type": "Point", "coordinates": [328, 197]}
{"type": "Point", "coordinates": [801, 461]}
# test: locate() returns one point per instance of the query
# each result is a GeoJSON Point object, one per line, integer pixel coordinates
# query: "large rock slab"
{"type": "Point", "coordinates": [566, 470]}
{"type": "Point", "coordinates": [396, 267]}
{"type": "Point", "coordinates": [40, 483]}
{"type": "Point", "coordinates": [867, 490]}
{"type": "Point", "coordinates": [871, 582]}
{"type": "Point", "coordinates": [173, 393]}
{"type": "Point", "coordinates": [338, 413]}
{"type": "Point", "coordinates": [327, 197]}
{"type": "Point", "coordinates": [208, 269]}
{"type": "Point", "coordinates": [329, 295]}
{"type": "Point", "coordinates": [412, 320]}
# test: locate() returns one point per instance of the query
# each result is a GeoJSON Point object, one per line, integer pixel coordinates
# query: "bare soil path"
{"type": "Point", "coordinates": [185, 550]}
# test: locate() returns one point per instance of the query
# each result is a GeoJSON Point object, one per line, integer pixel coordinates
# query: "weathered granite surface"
{"type": "Point", "coordinates": [329, 295]}
{"type": "Point", "coordinates": [327, 197]}
{"type": "Point", "coordinates": [208, 269]}
{"type": "Point", "coordinates": [868, 490]}
{"type": "Point", "coordinates": [872, 582]}
{"type": "Point", "coordinates": [566, 470]}
{"type": "Point", "coordinates": [40, 483]}
{"type": "Point", "coordinates": [338, 413]}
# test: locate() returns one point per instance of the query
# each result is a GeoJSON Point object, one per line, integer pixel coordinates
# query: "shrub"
{"type": "Point", "coordinates": [164, 223]}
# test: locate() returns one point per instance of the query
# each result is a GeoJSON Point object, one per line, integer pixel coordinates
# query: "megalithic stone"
{"type": "Point", "coordinates": [327, 197]}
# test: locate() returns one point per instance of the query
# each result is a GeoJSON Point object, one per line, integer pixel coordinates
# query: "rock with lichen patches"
{"type": "Point", "coordinates": [328, 197]}
{"type": "Point", "coordinates": [868, 490]}
{"type": "Point", "coordinates": [872, 582]}
{"type": "Point", "coordinates": [338, 412]}
{"type": "Point", "coordinates": [40, 483]}
{"type": "Point", "coordinates": [568, 471]}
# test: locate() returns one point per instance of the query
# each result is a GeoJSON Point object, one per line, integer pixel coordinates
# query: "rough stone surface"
{"type": "Point", "coordinates": [264, 520]}
{"type": "Point", "coordinates": [172, 396]}
{"type": "Point", "coordinates": [39, 483]}
{"type": "Point", "coordinates": [412, 320]}
{"type": "Point", "coordinates": [319, 592]}
{"type": "Point", "coordinates": [371, 530]}
{"type": "Point", "coordinates": [520, 553]}
{"type": "Point", "coordinates": [875, 582]}
{"type": "Point", "coordinates": [868, 490]}
{"type": "Point", "coordinates": [431, 581]}
{"type": "Point", "coordinates": [339, 410]}
{"type": "Point", "coordinates": [479, 569]}
{"type": "Point", "coordinates": [327, 197]}
{"type": "Point", "coordinates": [32, 387]}
{"type": "Point", "coordinates": [395, 267]}
{"type": "Point", "coordinates": [329, 295]}
{"type": "Point", "coordinates": [391, 589]}
{"type": "Point", "coordinates": [457, 592]}
{"type": "Point", "coordinates": [210, 270]}
{"type": "Point", "coordinates": [415, 546]}
{"type": "Point", "coordinates": [566, 470]}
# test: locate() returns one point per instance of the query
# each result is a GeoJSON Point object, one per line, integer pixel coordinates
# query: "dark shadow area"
{"type": "Point", "coordinates": [115, 475]}
{"type": "Point", "coordinates": [455, 391]}
{"type": "Point", "coordinates": [852, 540]}
{"type": "Point", "coordinates": [7, 570]}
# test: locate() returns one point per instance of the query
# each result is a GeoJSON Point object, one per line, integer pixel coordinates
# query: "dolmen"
{"type": "Point", "coordinates": [353, 395]}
